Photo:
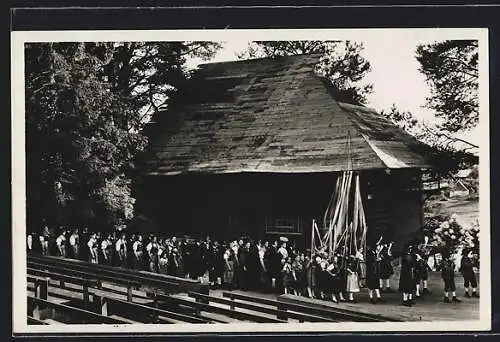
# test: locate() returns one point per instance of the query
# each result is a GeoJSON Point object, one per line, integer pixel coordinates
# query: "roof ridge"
{"type": "Point", "coordinates": [260, 59]}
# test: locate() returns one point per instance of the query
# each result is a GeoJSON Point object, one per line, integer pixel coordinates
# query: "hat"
{"type": "Point", "coordinates": [283, 239]}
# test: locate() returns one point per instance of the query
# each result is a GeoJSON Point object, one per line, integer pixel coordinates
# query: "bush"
{"type": "Point", "coordinates": [447, 236]}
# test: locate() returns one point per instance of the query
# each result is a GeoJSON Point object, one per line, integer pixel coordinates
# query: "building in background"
{"type": "Point", "coordinates": [254, 148]}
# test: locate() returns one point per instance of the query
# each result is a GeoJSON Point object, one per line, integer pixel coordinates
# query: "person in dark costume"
{"type": "Point", "coordinates": [448, 275]}
{"type": "Point", "coordinates": [274, 262]}
{"type": "Point", "coordinates": [253, 266]}
{"type": "Point", "coordinates": [244, 259]}
{"type": "Point", "coordinates": [407, 281]}
{"type": "Point", "coordinates": [341, 285]}
{"type": "Point", "coordinates": [288, 275]}
{"type": "Point", "coordinates": [211, 260]}
{"type": "Point", "coordinates": [467, 270]}
{"type": "Point", "coordinates": [385, 267]}
{"type": "Point", "coordinates": [333, 280]}
{"type": "Point", "coordinates": [421, 271]}
{"type": "Point", "coordinates": [372, 277]}
{"type": "Point", "coordinates": [219, 262]}
{"type": "Point", "coordinates": [310, 270]}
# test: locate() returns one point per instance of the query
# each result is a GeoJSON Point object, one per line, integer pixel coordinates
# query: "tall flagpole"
{"type": "Point", "coordinates": [312, 237]}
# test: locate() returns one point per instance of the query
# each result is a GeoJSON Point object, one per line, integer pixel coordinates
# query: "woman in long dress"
{"type": "Point", "coordinates": [361, 267]}
{"type": "Point", "coordinates": [352, 278]}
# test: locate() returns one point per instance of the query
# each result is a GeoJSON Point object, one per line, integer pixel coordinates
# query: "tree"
{"type": "Point", "coordinates": [451, 70]}
{"type": "Point", "coordinates": [444, 154]}
{"type": "Point", "coordinates": [147, 74]}
{"type": "Point", "coordinates": [85, 106]}
{"type": "Point", "coordinates": [74, 148]}
{"type": "Point", "coordinates": [404, 120]}
{"type": "Point", "coordinates": [341, 63]}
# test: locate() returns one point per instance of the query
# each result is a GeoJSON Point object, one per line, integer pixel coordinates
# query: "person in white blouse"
{"type": "Point", "coordinates": [61, 244]}
{"type": "Point", "coordinates": [74, 242]}
{"type": "Point", "coordinates": [137, 248]}
{"type": "Point", "coordinates": [152, 249]}
{"type": "Point", "coordinates": [106, 247]}
{"type": "Point", "coordinates": [283, 251]}
{"type": "Point", "coordinates": [121, 249]}
{"type": "Point", "coordinates": [93, 249]}
{"type": "Point", "coordinates": [29, 243]}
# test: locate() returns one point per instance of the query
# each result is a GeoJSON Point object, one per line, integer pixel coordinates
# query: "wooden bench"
{"type": "Point", "coordinates": [285, 310]}
{"type": "Point", "coordinates": [327, 310]}
{"type": "Point", "coordinates": [34, 321]}
{"type": "Point", "coordinates": [107, 306]}
{"type": "Point", "coordinates": [253, 299]}
{"type": "Point", "coordinates": [85, 283]}
{"type": "Point", "coordinates": [90, 276]}
{"type": "Point", "coordinates": [164, 283]}
{"type": "Point", "coordinates": [198, 307]}
{"type": "Point", "coordinates": [36, 305]}
{"type": "Point", "coordinates": [276, 310]}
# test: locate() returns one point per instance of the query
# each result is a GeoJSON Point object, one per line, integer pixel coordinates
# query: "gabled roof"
{"type": "Point", "coordinates": [272, 115]}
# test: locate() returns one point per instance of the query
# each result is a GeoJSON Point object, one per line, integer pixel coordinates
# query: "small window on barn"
{"type": "Point", "coordinates": [280, 225]}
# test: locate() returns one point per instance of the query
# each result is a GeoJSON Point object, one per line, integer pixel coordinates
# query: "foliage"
{"type": "Point", "coordinates": [341, 63]}
{"type": "Point", "coordinates": [451, 70]}
{"type": "Point", "coordinates": [85, 106]}
{"type": "Point", "coordinates": [147, 74]}
{"type": "Point", "coordinates": [405, 120]}
{"type": "Point", "coordinates": [447, 236]}
{"type": "Point", "coordinates": [470, 239]}
{"type": "Point", "coordinates": [444, 154]}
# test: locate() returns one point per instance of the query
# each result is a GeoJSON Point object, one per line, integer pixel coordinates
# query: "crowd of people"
{"type": "Point", "coordinates": [267, 266]}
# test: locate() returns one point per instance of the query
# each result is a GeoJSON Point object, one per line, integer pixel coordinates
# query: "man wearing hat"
{"type": "Point", "coordinates": [467, 270]}
{"type": "Point", "coordinates": [448, 275]}
{"type": "Point", "coordinates": [407, 281]}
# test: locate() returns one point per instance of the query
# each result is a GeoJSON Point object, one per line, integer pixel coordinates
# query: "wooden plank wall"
{"type": "Point", "coordinates": [227, 206]}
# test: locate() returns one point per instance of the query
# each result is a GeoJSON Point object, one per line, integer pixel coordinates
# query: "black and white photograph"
{"type": "Point", "coordinates": [239, 180]}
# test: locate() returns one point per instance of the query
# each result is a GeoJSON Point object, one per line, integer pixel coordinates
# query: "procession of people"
{"type": "Point", "coordinates": [265, 266]}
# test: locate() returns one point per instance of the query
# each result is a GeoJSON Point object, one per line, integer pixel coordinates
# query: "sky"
{"type": "Point", "coordinates": [394, 74]}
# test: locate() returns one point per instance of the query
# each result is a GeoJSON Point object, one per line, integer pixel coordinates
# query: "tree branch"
{"type": "Point", "coordinates": [454, 139]}
{"type": "Point", "coordinates": [461, 62]}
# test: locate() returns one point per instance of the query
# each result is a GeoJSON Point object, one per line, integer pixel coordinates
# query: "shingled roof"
{"type": "Point", "coordinates": [272, 115]}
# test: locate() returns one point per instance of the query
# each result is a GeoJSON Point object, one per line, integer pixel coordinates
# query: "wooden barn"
{"type": "Point", "coordinates": [254, 148]}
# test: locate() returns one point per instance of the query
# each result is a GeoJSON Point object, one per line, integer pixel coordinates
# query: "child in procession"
{"type": "Point", "coordinates": [372, 277]}
{"type": "Point", "coordinates": [467, 270]}
{"type": "Point", "coordinates": [407, 281]}
{"type": "Point", "coordinates": [352, 278]}
{"type": "Point", "coordinates": [448, 275]}
{"type": "Point", "coordinates": [385, 267]}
